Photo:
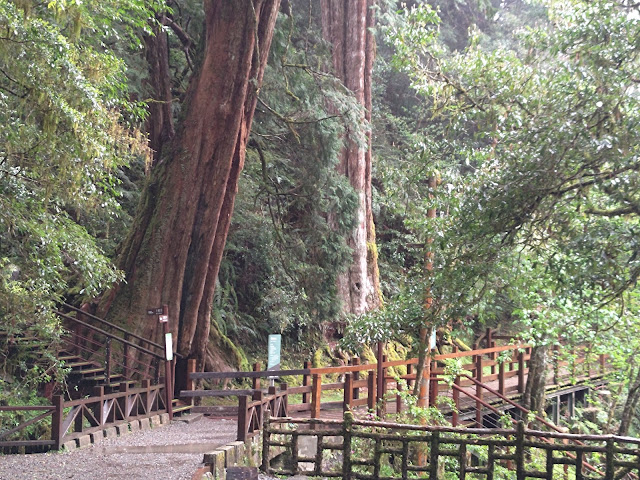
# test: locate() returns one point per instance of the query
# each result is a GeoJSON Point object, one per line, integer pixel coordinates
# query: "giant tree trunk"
{"type": "Point", "coordinates": [346, 25]}
{"type": "Point", "coordinates": [173, 253]}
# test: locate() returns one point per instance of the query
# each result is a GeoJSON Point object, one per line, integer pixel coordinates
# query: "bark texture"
{"type": "Point", "coordinates": [173, 253]}
{"type": "Point", "coordinates": [347, 24]}
{"type": "Point", "coordinates": [160, 122]}
{"type": "Point", "coordinates": [630, 406]}
{"type": "Point", "coordinates": [534, 392]}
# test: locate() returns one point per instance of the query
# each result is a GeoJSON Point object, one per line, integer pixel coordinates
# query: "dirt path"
{"type": "Point", "coordinates": [173, 452]}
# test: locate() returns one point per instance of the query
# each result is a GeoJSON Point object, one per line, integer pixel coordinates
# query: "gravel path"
{"type": "Point", "coordinates": [173, 452]}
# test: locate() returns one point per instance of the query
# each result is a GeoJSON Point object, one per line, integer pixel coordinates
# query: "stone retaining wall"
{"type": "Point", "coordinates": [231, 455]}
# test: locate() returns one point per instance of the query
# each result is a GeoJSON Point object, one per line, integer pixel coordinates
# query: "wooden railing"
{"type": "Point", "coordinates": [119, 351]}
{"type": "Point", "coordinates": [68, 420]}
{"type": "Point", "coordinates": [359, 386]}
{"type": "Point", "coordinates": [40, 417]}
{"type": "Point", "coordinates": [353, 449]}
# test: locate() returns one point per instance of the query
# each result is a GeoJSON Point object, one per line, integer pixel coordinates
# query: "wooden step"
{"type": "Point", "coordinates": [113, 378]}
{"type": "Point", "coordinates": [88, 371]}
{"type": "Point", "coordinates": [68, 358]}
{"type": "Point", "coordinates": [79, 365]}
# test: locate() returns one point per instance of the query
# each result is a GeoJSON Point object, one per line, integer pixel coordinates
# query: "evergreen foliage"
{"type": "Point", "coordinates": [286, 244]}
{"type": "Point", "coordinates": [63, 140]}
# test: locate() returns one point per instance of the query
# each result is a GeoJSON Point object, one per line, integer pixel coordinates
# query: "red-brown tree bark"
{"type": "Point", "coordinates": [173, 253]}
{"type": "Point", "coordinates": [160, 121]}
{"type": "Point", "coordinates": [347, 24]}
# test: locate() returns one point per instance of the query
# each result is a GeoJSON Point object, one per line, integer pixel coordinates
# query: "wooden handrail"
{"type": "Point", "coordinates": [514, 404]}
{"type": "Point", "coordinates": [343, 369]}
{"type": "Point", "coordinates": [545, 435]}
{"type": "Point", "coordinates": [259, 374]}
{"type": "Point", "coordinates": [110, 335]}
{"type": "Point", "coordinates": [482, 351]}
{"type": "Point", "coordinates": [109, 324]}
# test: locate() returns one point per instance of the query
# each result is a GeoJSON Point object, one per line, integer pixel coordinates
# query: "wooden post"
{"type": "Point", "coordinates": [521, 372]}
{"type": "Point", "coordinates": [258, 396]}
{"type": "Point", "coordinates": [433, 386]}
{"type": "Point", "coordinates": [123, 401]}
{"type": "Point", "coordinates": [125, 353]}
{"type": "Point", "coordinates": [99, 411]}
{"type": "Point", "coordinates": [191, 368]}
{"type": "Point", "coordinates": [603, 364]}
{"type": "Point", "coordinates": [380, 383]}
{"type": "Point", "coordinates": [316, 393]}
{"type": "Point", "coordinates": [79, 420]}
{"type": "Point", "coordinates": [346, 445]}
{"type": "Point", "coordinates": [146, 384]}
{"type": "Point", "coordinates": [56, 421]}
{"type": "Point", "coordinates": [385, 376]}
{"type": "Point", "coordinates": [556, 364]}
{"type": "Point", "coordinates": [520, 471]}
{"type": "Point", "coordinates": [243, 402]}
{"type": "Point", "coordinates": [501, 387]}
{"type": "Point", "coordinates": [256, 381]}
{"type": "Point", "coordinates": [107, 363]}
{"type": "Point", "coordinates": [355, 361]}
{"type": "Point", "coordinates": [371, 390]}
{"type": "Point", "coordinates": [271, 402]}
{"type": "Point", "coordinates": [491, 344]}
{"type": "Point", "coordinates": [348, 392]}
{"type": "Point", "coordinates": [409, 372]}
{"type": "Point", "coordinates": [285, 398]}
{"type": "Point", "coordinates": [265, 446]}
{"type": "Point", "coordinates": [305, 382]}
{"type": "Point", "coordinates": [156, 370]}
{"type": "Point", "coordinates": [399, 398]}
{"type": "Point", "coordinates": [434, 452]}
{"type": "Point", "coordinates": [479, 406]}
{"type": "Point", "coordinates": [456, 402]}
{"type": "Point", "coordinates": [610, 458]}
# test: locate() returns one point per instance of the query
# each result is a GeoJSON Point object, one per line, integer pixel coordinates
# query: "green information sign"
{"type": "Point", "coordinates": [275, 342]}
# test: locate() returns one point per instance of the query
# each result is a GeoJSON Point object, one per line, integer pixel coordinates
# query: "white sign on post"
{"type": "Point", "coordinates": [168, 346]}
{"type": "Point", "coordinates": [273, 351]}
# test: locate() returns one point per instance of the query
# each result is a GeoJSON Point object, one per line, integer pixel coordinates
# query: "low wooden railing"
{"type": "Point", "coordinates": [359, 386]}
{"type": "Point", "coordinates": [352, 449]}
{"type": "Point", "coordinates": [68, 420]}
{"type": "Point", "coordinates": [41, 418]}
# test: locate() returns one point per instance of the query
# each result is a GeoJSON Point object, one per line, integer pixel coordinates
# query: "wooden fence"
{"type": "Point", "coordinates": [68, 420]}
{"type": "Point", "coordinates": [359, 385]}
{"type": "Point", "coordinates": [353, 449]}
